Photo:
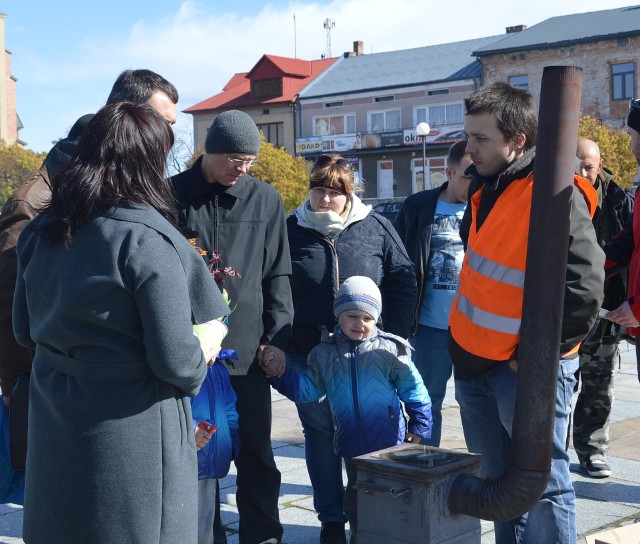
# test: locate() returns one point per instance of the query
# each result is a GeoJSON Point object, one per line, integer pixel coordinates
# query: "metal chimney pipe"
{"type": "Point", "coordinates": [524, 480]}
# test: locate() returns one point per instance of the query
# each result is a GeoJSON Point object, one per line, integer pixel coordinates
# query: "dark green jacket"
{"type": "Point", "coordinates": [111, 452]}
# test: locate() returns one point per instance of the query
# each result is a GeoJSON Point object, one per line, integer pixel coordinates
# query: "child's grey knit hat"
{"type": "Point", "coordinates": [358, 293]}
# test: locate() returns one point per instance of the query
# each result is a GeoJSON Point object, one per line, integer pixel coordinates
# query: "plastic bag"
{"type": "Point", "coordinates": [11, 481]}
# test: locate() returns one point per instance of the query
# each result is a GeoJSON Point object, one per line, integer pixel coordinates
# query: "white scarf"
{"type": "Point", "coordinates": [331, 223]}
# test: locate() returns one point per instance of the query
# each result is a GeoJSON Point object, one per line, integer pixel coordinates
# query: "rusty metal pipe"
{"type": "Point", "coordinates": [524, 480]}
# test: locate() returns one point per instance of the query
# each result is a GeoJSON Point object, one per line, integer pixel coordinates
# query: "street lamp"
{"type": "Point", "coordinates": [423, 130]}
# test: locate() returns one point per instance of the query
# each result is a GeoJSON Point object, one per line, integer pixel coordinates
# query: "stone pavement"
{"type": "Point", "coordinates": [602, 504]}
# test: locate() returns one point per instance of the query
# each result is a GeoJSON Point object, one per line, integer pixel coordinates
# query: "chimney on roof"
{"type": "Point", "coordinates": [358, 50]}
{"type": "Point", "coordinates": [514, 29]}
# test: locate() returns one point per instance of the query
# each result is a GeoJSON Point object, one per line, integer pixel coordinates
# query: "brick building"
{"type": "Point", "coordinates": [605, 44]}
{"type": "Point", "coordinates": [10, 124]}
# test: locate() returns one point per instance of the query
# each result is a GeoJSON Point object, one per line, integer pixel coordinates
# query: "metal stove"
{"type": "Point", "coordinates": [402, 496]}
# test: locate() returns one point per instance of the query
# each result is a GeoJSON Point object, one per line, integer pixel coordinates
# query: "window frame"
{"type": "Point", "coordinates": [346, 119]}
{"type": "Point", "coordinates": [459, 120]}
{"type": "Point", "coordinates": [519, 85]}
{"type": "Point", "coordinates": [622, 79]}
{"type": "Point", "coordinates": [266, 88]}
{"type": "Point", "coordinates": [384, 113]}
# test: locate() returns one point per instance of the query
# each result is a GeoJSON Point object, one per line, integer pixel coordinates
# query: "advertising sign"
{"type": "Point", "coordinates": [308, 145]}
{"type": "Point", "coordinates": [439, 135]}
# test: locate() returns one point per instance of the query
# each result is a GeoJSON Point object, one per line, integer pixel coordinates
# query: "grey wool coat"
{"type": "Point", "coordinates": [111, 456]}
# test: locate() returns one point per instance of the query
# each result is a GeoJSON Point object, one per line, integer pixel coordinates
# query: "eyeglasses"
{"type": "Point", "coordinates": [634, 104]}
{"type": "Point", "coordinates": [326, 160]}
{"type": "Point", "coordinates": [241, 162]}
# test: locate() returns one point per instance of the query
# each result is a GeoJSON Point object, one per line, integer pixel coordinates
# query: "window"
{"type": "Point", "coordinates": [435, 173]}
{"type": "Point", "coordinates": [273, 133]}
{"type": "Point", "coordinates": [519, 82]}
{"type": "Point", "coordinates": [622, 81]}
{"type": "Point", "coordinates": [384, 98]}
{"type": "Point", "coordinates": [266, 88]}
{"type": "Point", "coordinates": [333, 104]}
{"type": "Point", "coordinates": [440, 115]}
{"type": "Point", "coordinates": [381, 121]}
{"type": "Point", "coordinates": [326, 125]}
{"type": "Point", "coordinates": [438, 91]}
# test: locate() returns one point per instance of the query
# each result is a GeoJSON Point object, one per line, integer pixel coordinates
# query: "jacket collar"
{"type": "Point", "coordinates": [519, 168]}
{"type": "Point", "coordinates": [198, 186]}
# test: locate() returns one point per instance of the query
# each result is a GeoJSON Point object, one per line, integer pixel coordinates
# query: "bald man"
{"type": "Point", "coordinates": [599, 351]}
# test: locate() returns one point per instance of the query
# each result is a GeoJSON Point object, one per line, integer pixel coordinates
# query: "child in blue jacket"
{"type": "Point", "coordinates": [365, 373]}
{"type": "Point", "coordinates": [215, 404]}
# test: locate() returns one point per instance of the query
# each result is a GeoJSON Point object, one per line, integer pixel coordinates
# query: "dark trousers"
{"type": "Point", "coordinates": [258, 479]}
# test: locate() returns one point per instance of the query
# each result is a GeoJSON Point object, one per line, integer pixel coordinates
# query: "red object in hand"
{"type": "Point", "coordinates": [207, 427]}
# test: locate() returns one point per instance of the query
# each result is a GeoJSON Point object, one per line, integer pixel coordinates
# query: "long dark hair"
{"type": "Point", "coordinates": [121, 157]}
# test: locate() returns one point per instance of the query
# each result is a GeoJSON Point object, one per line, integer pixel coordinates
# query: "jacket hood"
{"type": "Point", "coordinates": [63, 150]}
{"type": "Point", "coordinates": [605, 177]}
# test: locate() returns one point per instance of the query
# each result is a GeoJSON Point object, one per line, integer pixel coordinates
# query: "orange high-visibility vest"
{"type": "Point", "coordinates": [486, 313]}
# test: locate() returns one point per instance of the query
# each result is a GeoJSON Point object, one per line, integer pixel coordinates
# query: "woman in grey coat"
{"type": "Point", "coordinates": [107, 292]}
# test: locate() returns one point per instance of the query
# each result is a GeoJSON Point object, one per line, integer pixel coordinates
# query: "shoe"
{"type": "Point", "coordinates": [332, 532]}
{"type": "Point", "coordinates": [271, 541]}
{"type": "Point", "coordinates": [596, 468]}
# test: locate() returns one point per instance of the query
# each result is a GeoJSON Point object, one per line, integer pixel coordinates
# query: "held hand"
{"type": "Point", "coordinates": [210, 355]}
{"type": "Point", "coordinates": [623, 316]}
{"type": "Point", "coordinates": [271, 360]}
{"type": "Point", "coordinates": [412, 438]}
{"type": "Point", "coordinates": [7, 401]}
{"type": "Point", "coordinates": [202, 438]}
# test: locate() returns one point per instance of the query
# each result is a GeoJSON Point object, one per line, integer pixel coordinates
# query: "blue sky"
{"type": "Point", "coordinates": [66, 54]}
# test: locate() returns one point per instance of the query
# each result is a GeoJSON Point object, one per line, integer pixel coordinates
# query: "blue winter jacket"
{"type": "Point", "coordinates": [216, 403]}
{"type": "Point", "coordinates": [364, 383]}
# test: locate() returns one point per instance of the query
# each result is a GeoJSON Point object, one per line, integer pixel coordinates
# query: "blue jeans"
{"type": "Point", "coordinates": [323, 465]}
{"type": "Point", "coordinates": [486, 409]}
{"type": "Point", "coordinates": [433, 361]}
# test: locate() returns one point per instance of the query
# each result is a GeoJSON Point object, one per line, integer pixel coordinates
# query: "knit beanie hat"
{"type": "Point", "coordinates": [633, 120]}
{"type": "Point", "coordinates": [233, 132]}
{"type": "Point", "coordinates": [358, 293]}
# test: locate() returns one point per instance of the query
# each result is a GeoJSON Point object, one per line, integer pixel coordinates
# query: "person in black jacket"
{"type": "Point", "coordinates": [242, 218]}
{"type": "Point", "coordinates": [599, 351]}
{"type": "Point", "coordinates": [428, 224]}
{"type": "Point", "coordinates": [333, 236]}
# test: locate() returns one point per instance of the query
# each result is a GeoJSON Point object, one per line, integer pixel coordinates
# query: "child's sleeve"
{"type": "Point", "coordinates": [413, 394]}
{"type": "Point", "coordinates": [299, 386]}
{"type": "Point", "coordinates": [232, 419]}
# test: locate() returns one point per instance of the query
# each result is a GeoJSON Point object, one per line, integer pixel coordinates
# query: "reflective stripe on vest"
{"type": "Point", "coordinates": [498, 272]}
{"type": "Point", "coordinates": [508, 325]}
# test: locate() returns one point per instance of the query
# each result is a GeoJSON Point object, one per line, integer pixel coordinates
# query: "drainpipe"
{"type": "Point", "coordinates": [524, 480]}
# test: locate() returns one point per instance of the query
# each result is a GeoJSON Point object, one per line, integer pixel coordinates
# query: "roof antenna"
{"type": "Point", "coordinates": [328, 25]}
{"type": "Point", "coordinates": [295, 42]}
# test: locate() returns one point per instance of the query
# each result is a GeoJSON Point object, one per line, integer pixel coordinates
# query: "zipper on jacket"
{"type": "Point", "coordinates": [215, 227]}
{"type": "Point", "coordinates": [353, 363]}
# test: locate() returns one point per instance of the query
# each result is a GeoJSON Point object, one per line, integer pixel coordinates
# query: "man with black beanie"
{"type": "Point", "coordinates": [623, 252]}
{"type": "Point", "coordinates": [242, 219]}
